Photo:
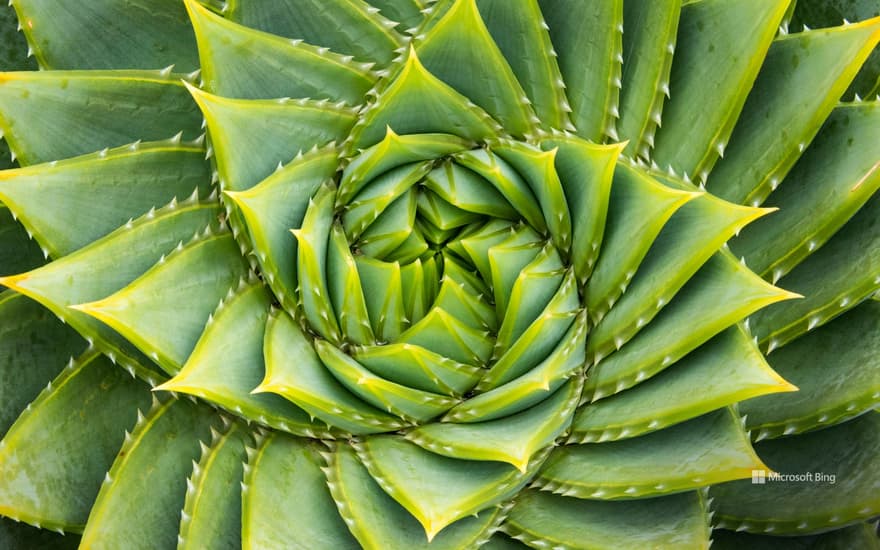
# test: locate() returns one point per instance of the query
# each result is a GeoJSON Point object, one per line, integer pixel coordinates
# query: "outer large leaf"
{"type": "Point", "coordinates": [650, 28]}
{"type": "Point", "coordinates": [460, 51]}
{"type": "Point", "coordinates": [18, 253]}
{"type": "Point", "coordinates": [720, 47]}
{"type": "Point", "coordinates": [251, 138]}
{"type": "Point", "coordinates": [828, 13]}
{"type": "Point", "coordinates": [55, 115]}
{"type": "Point", "coordinates": [159, 453]}
{"type": "Point", "coordinates": [417, 102]}
{"type": "Point", "coordinates": [837, 174]}
{"type": "Point", "coordinates": [726, 369]}
{"type": "Point", "coordinates": [839, 482]}
{"type": "Point", "coordinates": [34, 346]}
{"type": "Point", "coordinates": [227, 363]}
{"type": "Point", "coordinates": [277, 469]}
{"type": "Point", "coordinates": [542, 520]}
{"type": "Point", "coordinates": [801, 80]}
{"type": "Point", "coordinates": [588, 39]}
{"type": "Point", "coordinates": [211, 516]}
{"type": "Point", "coordinates": [380, 523]}
{"type": "Point", "coordinates": [56, 201]}
{"type": "Point", "coordinates": [833, 279]}
{"type": "Point", "coordinates": [706, 450]}
{"type": "Point", "coordinates": [108, 265]}
{"type": "Point", "coordinates": [84, 412]}
{"type": "Point", "coordinates": [87, 35]}
{"type": "Point", "coordinates": [345, 26]}
{"type": "Point", "coordinates": [722, 293]}
{"type": "Point", "coordinates": [836, 368]}
{"type": "Point", "coordinates": [164, 311]}
{"type": "Point", "coordinates": [250, 64]}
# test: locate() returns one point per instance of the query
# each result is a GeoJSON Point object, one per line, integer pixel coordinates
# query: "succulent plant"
{"type": "Point", "coordinates": [546, 273]}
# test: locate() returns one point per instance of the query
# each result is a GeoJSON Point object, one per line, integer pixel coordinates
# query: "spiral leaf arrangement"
{"type": "Point", "coordinates": [439, 274]}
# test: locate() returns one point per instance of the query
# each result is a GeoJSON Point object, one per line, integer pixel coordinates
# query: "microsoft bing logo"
{"type": "Point", "coordinates": [759, 477]}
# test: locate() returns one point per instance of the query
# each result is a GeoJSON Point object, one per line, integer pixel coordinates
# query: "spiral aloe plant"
{"type": "Point", "coordinates": [439, 274]}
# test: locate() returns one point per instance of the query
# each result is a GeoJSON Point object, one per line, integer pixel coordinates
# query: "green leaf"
{"type": "Point", "coordinates": [57, 203]}
{"type": "Point", "coordinates": [834, 279]}
{"type": "Point", "coordinates": [836, 175]}
{"type": "Point", "coordinates": [82, 413]}
{"type": "Point", "coordinates": [691, 236]}
{"type": "Point", "coordinates": [279, 468]}
{"type": "Point", "coordinates": [719, 50]}
{"type": "Point", "coordinates": [441, 332]}
{"type": "Point", "coordinates": [837, 370]}
{"type": "Point", "coordinates": [366, 206]}
{"type": "Point", "coordinates": [650, 29]}
{"type": "Point", "coordinates": [275, 206]}
{"type": "Point", "coordinates": [538, 340]}
{"type": "Point", "coordinates": [502, 542]}
{"type": "Point", "coordinates": [392, 228]}
{"type": "Point", "coordinates": [61, 114]}
{"type": "Point", "coordinates": [250, 64]}
{"type": "Point", "coordinates": [108, 265]}
{"type": "Point", "coordinates": [157, 33]}
{"type": "Point", "coordinates": [528, 296]}
{"type": "Point", "coordinates": [531, 388]}
{"type": "Point", "coordinates": [443, 215]}
{"type": "Point", "coordinates": [839, 484]}
{"type": "Point", "coordinates": [163, 312]}
{"type": "Point", "coordinates": [587, 37]}
{"type": "Point", "coordinates": [460, 51]}
{"type": "Point", "coordinates": [18, 253]}
{"type": "Point", "coordinates": [346, 292]}
{"type": "Point", "coordinates": [383, 296]}
{"type": "Point", "coordinates": [508, 259]}
{"type": "Point", "coordinates": [800, 82]}
{"type": "Point", "coordinates": [857, 536]}
{"type": "Point", "coordinates": [467, 191]}
{"type": "Point", "coordinates": [726, 369]}
{"type": "Point", "coordinates": [380, 523]}
{"type": "Point", "coordinates": [407, 12]}
{"type": "Point", "coordinates": [410, 404]}
{"type": "Point", "coordinates": [344, 26]}
{"type": "Point", "coordinates": [465, 301]}
{"type": "Point", "coordinates": [393, 151]}
{"type": "Point", "coordinates": [21, 536]}
{"type": "Point", "coordinates": [34, 346]}
{"type": "Point", "coordinates": [521, 35]}
{"type": "Point", "coordinates": [158, 454]}
{"type": "Point", "coordinates": [513, 439]}
{"type": "Point", "coordinates": [541, 519]}
{"type": "Point", "coordinates": [211, 516]}
{"type": "Point", "coordinates": [294, 371]}
{"type": "Point", "coordinates": [585, 171]}
{"type": "Point", "coordinates": [828, 13]}
{"type": "Point", "coordinates": [706, 450]}
{"type": "Point", "coordinates": [14, 50]}
{"type": "Point", "coordinates": [435, 489]}
{"type": "Point", "coordinates": [417, 102]}
{"type": "Point", "coordinates": [417, 367]}
{"type": "Point", "coordinates": [251, 137]}
{"type": "Point", "coordinates": [311, 263]}
{"type": "Point", "coordinates": [538, 169]}
{"type": "Point", "coordinates": [508, 182]}
{"type": "Point", "coordinates": [639, 205]}
{"type": "Point", "coordinates": [722, 293]}
{"type": "Point", "coordinates": [227, 363]}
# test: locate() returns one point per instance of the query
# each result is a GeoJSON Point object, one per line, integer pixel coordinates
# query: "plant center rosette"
{"type": "Point", "coordinates": [458, 314]}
